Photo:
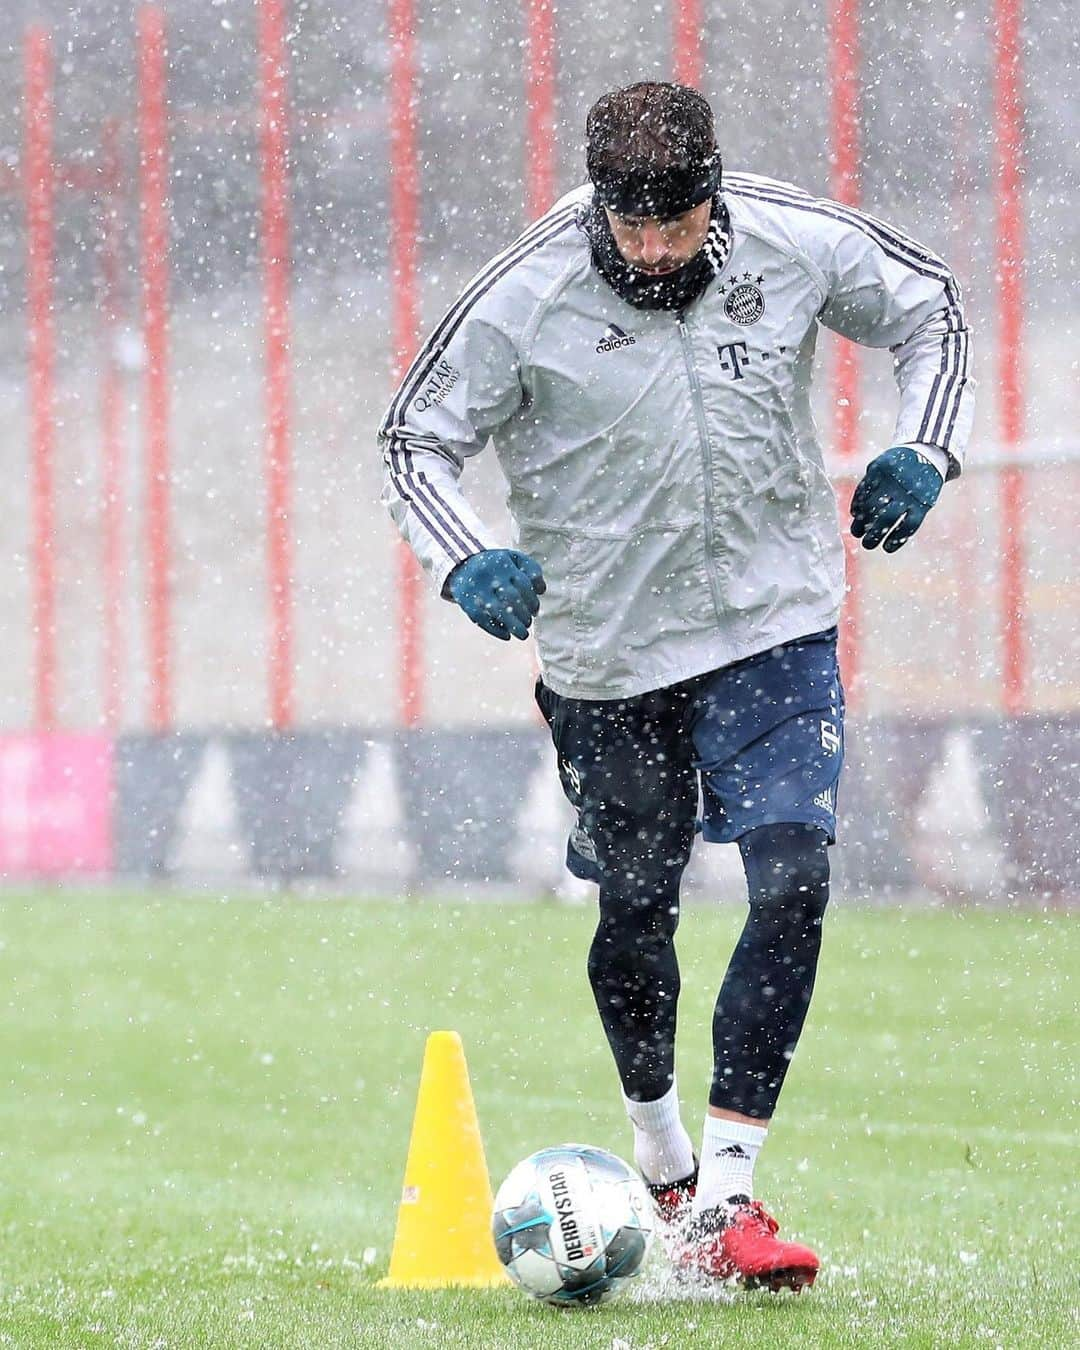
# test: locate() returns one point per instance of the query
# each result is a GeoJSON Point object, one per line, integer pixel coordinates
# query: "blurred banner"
{"type": "Point", "coordinates": [972, 808]}
{"type": "Point", "coordinates": [56, 805]}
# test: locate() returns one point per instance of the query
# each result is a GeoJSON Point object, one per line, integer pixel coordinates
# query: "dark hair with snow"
{"type": "Point", "coordinates": [651, 149]}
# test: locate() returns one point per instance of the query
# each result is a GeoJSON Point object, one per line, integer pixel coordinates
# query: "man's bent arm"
{"type": "Point", "coordinates": [464, 383]}
{"type": "Point", "coordinates": [424, 497]}
{"type": "Point", "coordinates": [936, 396]}
{"type": "Point", "coordinates": [886, 290]}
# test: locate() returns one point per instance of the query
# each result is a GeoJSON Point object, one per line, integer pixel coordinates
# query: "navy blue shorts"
{"type": "Point", "coordinates": [764, 737]}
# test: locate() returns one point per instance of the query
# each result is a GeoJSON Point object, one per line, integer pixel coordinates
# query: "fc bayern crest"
{"type": "Point", "coordinates": [745, 303]}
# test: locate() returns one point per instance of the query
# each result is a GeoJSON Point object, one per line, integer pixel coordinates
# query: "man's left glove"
{"type": "Point", "coordinates": [892, 500]}
{"type": "Point", "coordinates": [499, 590]}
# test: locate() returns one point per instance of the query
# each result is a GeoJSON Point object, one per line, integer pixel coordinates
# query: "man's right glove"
{"type": "Point", "coordinates": [498, 589]}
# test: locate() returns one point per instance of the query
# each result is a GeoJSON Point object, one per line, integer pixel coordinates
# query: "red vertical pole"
{"type": "Point", "coordinates": [38, 189]}
{"type": "Point", "coordinates": [844, 93]}
{"type": "Point", "coordinates": [112, 494]}
{"type": "Point", "coordinates": [273, 64]}
{"type": "Point", "coordinates": [686, 42]}
{"type": "Point", "coordinates": [404, 228]}
{"type": "Point", "coordinates": [540, 106]}
{"type": "Point", "coordinates": [1009, 148]}
{"type": "Point", "coordinates": [961, 246]}
{"type": "Point", "coordinates": [153, 219]}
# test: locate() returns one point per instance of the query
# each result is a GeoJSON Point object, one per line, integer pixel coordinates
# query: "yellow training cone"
{"type": "Point", "coordinates": [443, 1232]}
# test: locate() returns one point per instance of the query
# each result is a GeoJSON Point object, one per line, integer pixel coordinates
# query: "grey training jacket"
{"type": "Point", "coordinates": [664, 468]}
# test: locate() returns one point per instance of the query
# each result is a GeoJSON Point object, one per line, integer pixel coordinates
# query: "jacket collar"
{"type": "Point", "coordinates": [676, 289]}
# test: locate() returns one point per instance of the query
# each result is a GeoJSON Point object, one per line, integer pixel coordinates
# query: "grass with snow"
{"type": "Point", "coordinates": [206, 1107]}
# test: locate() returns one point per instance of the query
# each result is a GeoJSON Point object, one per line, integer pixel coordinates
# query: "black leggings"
{"type": "Point", "coordinates": [766, 991]}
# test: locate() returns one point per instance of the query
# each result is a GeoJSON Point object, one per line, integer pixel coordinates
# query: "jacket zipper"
{"type": "Point", "coordinates": [706, 455]}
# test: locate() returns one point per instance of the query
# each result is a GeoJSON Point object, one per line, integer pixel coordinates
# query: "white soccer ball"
{"type": "Point", "coordinates": [572, 1224]}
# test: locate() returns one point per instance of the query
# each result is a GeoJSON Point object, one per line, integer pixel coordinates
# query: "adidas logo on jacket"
{"type": "Point", "coordinates": [615, 337]}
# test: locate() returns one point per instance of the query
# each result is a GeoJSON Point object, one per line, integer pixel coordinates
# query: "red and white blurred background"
{"type": "Point", "coordinates": [224, 228]}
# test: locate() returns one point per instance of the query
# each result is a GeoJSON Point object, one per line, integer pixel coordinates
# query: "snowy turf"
{"type": "Point", "coordinates": [206, 1108]}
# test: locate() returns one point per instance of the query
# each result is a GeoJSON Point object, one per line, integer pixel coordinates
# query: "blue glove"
{"type": "Point", "coordinates": [498, 589]}
{"type": "Point", "coordinates": [892, 500]}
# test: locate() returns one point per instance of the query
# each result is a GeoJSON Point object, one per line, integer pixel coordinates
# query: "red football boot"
{"type": "Point", "coordinates": [738, 1242]}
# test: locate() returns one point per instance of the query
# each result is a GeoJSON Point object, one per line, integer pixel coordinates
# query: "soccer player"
{"type": "Point", "coordinates": [641, 360]}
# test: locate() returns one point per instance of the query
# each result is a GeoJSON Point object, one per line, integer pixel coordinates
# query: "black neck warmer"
{"type": "Point", "coordinates": [673, 290]}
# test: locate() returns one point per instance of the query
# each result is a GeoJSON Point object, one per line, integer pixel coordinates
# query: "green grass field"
{"type": "Point", "coordinates": [206, 1108]}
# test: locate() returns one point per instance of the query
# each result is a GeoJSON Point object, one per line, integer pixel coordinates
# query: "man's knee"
{"type": "Point", "coordinates": [787, 869]}
{"type": "Point", "coordinates": [633, 937]}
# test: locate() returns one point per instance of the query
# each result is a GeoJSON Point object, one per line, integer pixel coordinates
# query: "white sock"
{"type": "Point", "coordinates": [729, 1150]}
{"type": "Point", "coordinates": [662, 1148]}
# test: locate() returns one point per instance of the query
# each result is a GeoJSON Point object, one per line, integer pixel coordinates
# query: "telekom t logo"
{"type": "Point", "coordinates": [730, 359]}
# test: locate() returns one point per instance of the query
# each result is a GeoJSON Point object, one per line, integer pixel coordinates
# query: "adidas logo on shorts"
{"type": "Point", "coordinates": [613, 338]}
